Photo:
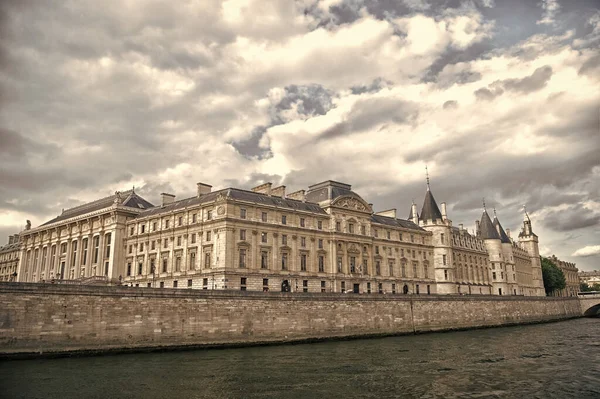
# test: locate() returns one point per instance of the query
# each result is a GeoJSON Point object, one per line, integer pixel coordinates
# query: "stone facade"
{"type": "Point", "coordinates": [9, 258]}
{"type": "Point", "coordinates": [325, 239]}
{"type": "Point", "coordinates": [590, 278]}
{"type": "Point", "coordinates": [571, 276]}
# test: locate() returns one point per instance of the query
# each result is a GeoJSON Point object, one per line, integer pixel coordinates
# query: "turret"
{"type": "Point", "coordinates": [529, 241]}
{"type": "Point", "coordinates": [493, 245]}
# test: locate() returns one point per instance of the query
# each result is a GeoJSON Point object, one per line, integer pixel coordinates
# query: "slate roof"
{"type": "Point", "coordinates": [237, 194]}
{"type": "Point", "coordinates": [503, 236]}
{"type": "Point", "coordinates": [329, 190]}
{"type": "Point", "coordinates": [395, 222]}
{"type": "Point", "coordinates": [486, 227]}
{"type": "Point", "coordinates": [130, 199]}
{"type": "Point", "coordinates": [430, 209]}
{"type": "Point", "coordinates": [10, 247]}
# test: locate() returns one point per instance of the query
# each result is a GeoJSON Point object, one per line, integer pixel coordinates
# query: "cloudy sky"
{"type": "Point", "coordinates": [500, 99]}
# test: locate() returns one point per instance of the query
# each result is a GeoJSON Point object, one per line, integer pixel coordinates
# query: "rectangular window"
{"type": "Point", "coordinates": [153, 245]}
{"type": "Point", "coordinates": [209, 215]}
{"type": "Point", "coordinates": [302, 222]}
{"type": "Point", "coordinates": [320, 225]}
{"type": "Point", "coordinates": [400, 237]}
{"type": "Point", "coordinates": [207, 260]}
{"type": "Point", "coordinates": [242, 258]}
{"type": "Point", "coordinates": [263, 216]}
{"type": "Point", "coordinates": [143, 228]}
{"type": "Point", "coordinates": [243, 235]}
{"type": "Point", "coordinates": [96, 248]}
{"type": "Point", "coordinates": [304, 285]}
{"type": "Point", "coordinates": [303, 242]}
{"type": "Point", "coordinates": [389, 235]}
{"type": "Point", "coordinates": [153, 226]}
{"type": "Point", "coordinates": [363, 230]}
{"type": "Point", "coordinates": [242, 213]}
{"type": "Point", "coordinates": [391, 267]}
{"type": "Point", "coordinates": [352, 264]}
{"type": "Point", "coordinates": [175, 283]}
{"type": "Point", "coordinates": [131, 231]}
{"type": "Point", "coordinates": [494, 275]}
{"type": "Point", "coordinates": [339, 264]}
{"type": "Point", "coordinates": [445, 274]}
{"type": "Point", "coordinates": [351, 228]}
{"type": "Point", "coordinates": [243, 284]}
{"type": "Point", "coordinates": [165, 243]}
{"type": "Point", "coordinates": [415, 269]}
{"type": "Point", "coordinates": [129, 269]}
{"type": "Point", "coordinates": [152, 266]}
{"type": "Point", "coordinates": [265, 284]}
{"type": "Point", "coordinates": [141, 247]}
{"type": "Point", "coordinates": [149, 285]}
{"type": "Point", "coordinates": [162, 284]}
{"type": "Point", "coordinates": [338, 226]}
{"type": "Point", "coordinates": [376, 249]}
{"type": "Point", "coordinates": [208, 236]}
{"type": "Point", "coordinates": [443, 259]}
{"type": "Point", "coordinates": [140, 267]}
{"type": "Point", "coordinates": [107, 239]}
{"type": "Point", "coordinates": [380, 288]}
{"type": "Point", "coordinates": [204, 283]}
{"type": "Point", "coordinates": [322, 286]}
{"type": "Point", "coordinates": [442, 238]}
{"type": "Point", "coordinates": [178, 241]}
{"type": "Point", "coordinates": [85, 250]}
{"type": "Point", "coordinates": [303, 262]}
{"type": "Point", "coordinates": [393, 288]}
{"type": "Point", "coordinates": [377, 268]}
{"type": "Point", "coordinates": [194, 218]}
{"type": "Point", "coordinates": [321, 264]}
{"type": "Point", "coordinates": [284, 262]}
{"type": "Point", "coordinates": [264, 260]}
{"type": "Point", "coordinates": [320, 243]}
{"type": "Point", "coordinates": [164, 265]}
{"type": "Point", "coordinates": [178, 264]}
{"type": "Point", "coordinates": [193, 238]}
{"type": "Point", "coordinates": [343, 286]}
{"type": "Point", "coordinates": [284, 239]}
{"type": "Point", "coordinates": [190, 281]}
{"type": "Point", "coordinates": [263, 237]}
{"type": "Point", "coordinates": [167, 224]}
{"type": "Point", "coordinates": [283, 219]}
{"type": "Point", "coordinates": [375, 233]}
{"type": "Point", "coordinates": [192, 261]}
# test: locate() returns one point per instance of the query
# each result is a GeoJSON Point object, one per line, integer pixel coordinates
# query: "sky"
{"type": "Point", "coordinates": [499, 99]}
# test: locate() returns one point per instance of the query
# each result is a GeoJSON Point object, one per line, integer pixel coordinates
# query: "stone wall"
{"type": "Point", "coordinates": [44, 318]}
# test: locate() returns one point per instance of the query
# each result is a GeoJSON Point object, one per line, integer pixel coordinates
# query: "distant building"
{"type": "Point", "coordinates": [325, 239]}
{"type": "Point", "coordinates": [589, 278]}
{"type": "Point", "coordinates": [9, 259]}
{"type": "Point", "coordinates": [571, 276]}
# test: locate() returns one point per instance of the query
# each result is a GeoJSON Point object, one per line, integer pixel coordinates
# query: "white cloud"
{"type": "Point", "coordinates": [590, 250]}
{"type": "Point", "coordinates": [550, 8]}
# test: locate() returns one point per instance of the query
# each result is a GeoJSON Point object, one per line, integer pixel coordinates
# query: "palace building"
{"type": "Point", "coordinates": [9, 259]}
{"type": "Point", "coordinates": [324, 239]}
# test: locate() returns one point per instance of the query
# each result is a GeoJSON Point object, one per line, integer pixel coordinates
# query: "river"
{"type": "Point", "coordinates": [555, 360]}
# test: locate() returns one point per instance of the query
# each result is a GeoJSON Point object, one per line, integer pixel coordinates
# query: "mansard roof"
{"type": "Point", "coordinates": [486, 227]}
{"type": "Point", "coordinates": [236, 194]}
{"type": "Point", "coordinates": [129, 199]}
{"type": "Point", "coordinates": [10, 247]}
{"type": "Point", "coordinates": [503, 236]}
{"type": "Point", "coordinates": [330, 190]}
{"type": "Point", "coordinates": [395, 222]}
{"type": "Point", "coordinates": [430, 210]}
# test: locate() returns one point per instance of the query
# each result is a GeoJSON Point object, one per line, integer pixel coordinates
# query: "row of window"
{"type": "Point", "coordinates": [166, 223]}
{"type": "Point", "coordinates": [74, 250]}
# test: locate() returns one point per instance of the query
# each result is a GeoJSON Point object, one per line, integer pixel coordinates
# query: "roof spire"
{"type": "Point", "coordinates": [484, 204]}
{"type": "Point", "coordinates": [495, 212]}
{"type": "Point", "coordinates": [133, 189]}
{"type": "Point", "coordinates": [427, 176]}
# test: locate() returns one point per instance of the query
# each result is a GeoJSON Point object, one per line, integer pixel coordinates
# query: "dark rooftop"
{"type": "Point", "coordinates": [430, 210]}
{"type": "Point", "coordinates": [486, 227]}
{"type": "Point", "coordinates": [389, 221]}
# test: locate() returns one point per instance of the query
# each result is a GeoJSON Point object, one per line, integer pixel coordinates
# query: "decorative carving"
{"type": "Point", "coordinates": [220, 210]}
{"type": "Point", "coordinates": [220, 197]}
{"type": "Point", "coordinates": [351, 203]}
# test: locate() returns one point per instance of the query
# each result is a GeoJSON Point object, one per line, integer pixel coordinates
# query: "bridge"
{"type": "Point", "coordinates": [590, 304]}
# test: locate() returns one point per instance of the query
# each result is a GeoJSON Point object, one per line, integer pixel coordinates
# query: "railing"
{"type": "Point", "coordinates": [94, 280]}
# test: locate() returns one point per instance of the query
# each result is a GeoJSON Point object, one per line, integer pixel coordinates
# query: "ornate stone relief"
{"type": "Point", "coordinates": [220, 210]}
{"type": "Point", "coordinates": [351, 203]}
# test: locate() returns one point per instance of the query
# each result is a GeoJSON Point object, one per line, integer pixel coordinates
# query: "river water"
{"type": "Point", "coordinates": [556, 360]}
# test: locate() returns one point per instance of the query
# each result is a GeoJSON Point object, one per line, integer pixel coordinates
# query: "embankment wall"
{"type": "Point", "coordinates": [45, 318]}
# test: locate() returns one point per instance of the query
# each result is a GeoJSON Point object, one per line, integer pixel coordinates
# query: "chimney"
{"type": "Point", "coordinates": [278, 192]}
{"type": "Point", "coordinates": [391, 213]}
{"type": "Point", "coordinates": [263, 188]}
{"type": "Point", "coordinates": [167, 198]}
{"type": "Point", "coordinates": [508, 233]}
{"type": "Point", "coordinates": [460, 227]}
{"type": "Point", "coordinates": [477, 231]}
{"type": "Point", "coordinates": [203, 189]}
{"type": "Point", "coordinates": [299, 195]}
{"type": "Point", "coordinates": [444, 217]}
{"type": "Point", "coordinates": [415, 219]}
{"type": "Point", "coordinates": [11, 239]}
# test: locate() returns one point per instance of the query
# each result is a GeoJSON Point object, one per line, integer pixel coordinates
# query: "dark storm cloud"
{"type": "Point", "coordinates": [573, 218]}
{"type": "Point", "coordinates": [486, 94]}
{"type": "Point", "coordinates": [311, 100]}
{"type": "Point", "coordinates": [251, 146]}
{"type": "Point", "coordinates": [528, 84]}
{"type": "Point", "coordinates": [374, 87]}
{"type": "Point", "coordinates": [450, 104]}
{"type": "Point", "coordinates": [591, 66]}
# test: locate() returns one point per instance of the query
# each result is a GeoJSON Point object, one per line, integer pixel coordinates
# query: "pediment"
{"type": "Point", "coordinates": [348, 202]}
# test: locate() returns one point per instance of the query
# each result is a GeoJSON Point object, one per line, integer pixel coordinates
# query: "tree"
{"type": "Point", "coordinates": [554, 278]}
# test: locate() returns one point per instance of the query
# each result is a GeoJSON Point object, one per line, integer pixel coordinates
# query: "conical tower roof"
{"type": "Point", "coordinates": [486, 227]}
{"type": "Point", "coordinates": [430, 210]}
{"type": "Point", "coordinates": [503, 236]}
